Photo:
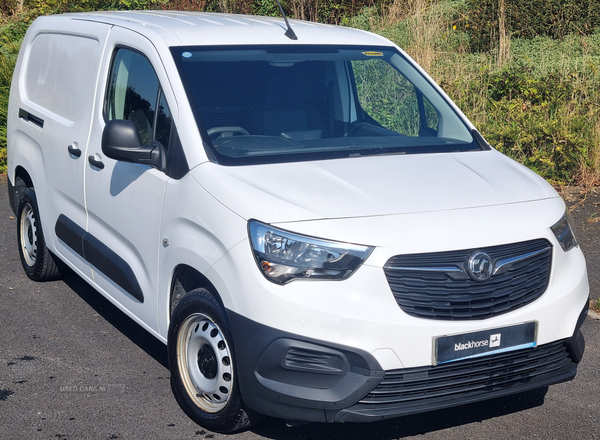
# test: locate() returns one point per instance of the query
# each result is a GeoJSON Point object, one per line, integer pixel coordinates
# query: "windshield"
{"type": "Point", "coordinates": [266, 104]}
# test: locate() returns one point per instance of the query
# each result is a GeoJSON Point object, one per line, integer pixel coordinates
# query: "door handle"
{"type": "Point", "coordinates": [96, 162]}
{"type": "Point", "coordinates": [75, 151]}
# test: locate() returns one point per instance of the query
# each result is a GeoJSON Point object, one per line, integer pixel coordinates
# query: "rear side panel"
{"type": "Point", "coordinates": [50, 112]}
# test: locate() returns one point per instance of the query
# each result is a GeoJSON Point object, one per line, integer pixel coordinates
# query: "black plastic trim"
{"type": "Point", "coordinates": [292, 377]}
{"type": "Point", "coordinates": [74, 151]}
{"type": "Point", "coordinates": [17, 190]}
{"type": "Point", "coordinates": [95, 162]}
{"type": "Point", "coordinates": [564, 370]}
{"type": "Point", "coordinates": [177, 165]}
{"type": "Point", "coordinates": [70, 233]}
{"type": "Point", "coordinates": [576, 345]}
{"type": "Point", "coordinates": [480, 140]}
{"type": "Point", "coordinates": [11, 196]}
{"type": "Point", "coordinates": [375, 415]}
{"type": "Point", "coordinates": [98, 255]}
{"type": "Point", "coordinates": [296, 378]}
{"type": "Point", "coordinates": [112, 265]}
{"type": "Point", "coordinates": [436, 285]}
{"type": "Point", "coordinates": [582, 315]}
{"type": "Point", "coordinates": [29, 117]}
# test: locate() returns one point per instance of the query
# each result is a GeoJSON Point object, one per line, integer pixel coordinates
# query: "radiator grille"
{"type": "Point", "coordinates": [436, 285]}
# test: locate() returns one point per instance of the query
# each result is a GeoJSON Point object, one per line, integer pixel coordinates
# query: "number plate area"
{"type": "Point", "coordinates": [484, 342]}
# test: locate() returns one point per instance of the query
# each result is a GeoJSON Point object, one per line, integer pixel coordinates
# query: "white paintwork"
{"type": "Point", "coordinates": [61, 97]}
{"type": "Point", "coordinates": [360, 312]}
{"type": "Point", "coordinates": [370, 186]}
{"type": "Point", "coordinates": [200, 28]}
{"type": "Point", "coordinates": [398, 204]}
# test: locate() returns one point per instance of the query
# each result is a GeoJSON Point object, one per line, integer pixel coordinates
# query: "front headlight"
{"type": "Point", "coordinates": [563, 230]}
{"type": "Point", "coordinates": [284, 256]}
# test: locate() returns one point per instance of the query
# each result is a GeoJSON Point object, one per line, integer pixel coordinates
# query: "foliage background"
{"type": "Point", "coordinates": [525, 72]}
{"type": "Point", "coordinates": [530, 19]}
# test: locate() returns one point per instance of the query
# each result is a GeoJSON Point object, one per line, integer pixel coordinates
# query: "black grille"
{"type": "Point", "coordinates": [406, 391]}
{"type": "Point", "coordinates": [434, 294]}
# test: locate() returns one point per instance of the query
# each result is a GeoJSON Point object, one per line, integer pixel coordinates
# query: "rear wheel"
{"type": "Point", "coordinates": [202, 364]}
{"type": "Point", "coordinates": [38, 262]}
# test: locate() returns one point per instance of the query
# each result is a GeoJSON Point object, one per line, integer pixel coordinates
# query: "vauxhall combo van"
{"type": "Point", "coordinates": [304, 218]}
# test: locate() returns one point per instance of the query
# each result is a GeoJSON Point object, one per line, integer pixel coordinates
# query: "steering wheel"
{"type": "Point", "coordinates": [355, 128]}
{"type": "Point", "coordinates": [226, 131]}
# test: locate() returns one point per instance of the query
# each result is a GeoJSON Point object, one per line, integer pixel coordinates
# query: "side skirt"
{"type": "Point", "coordinates": [98, 255]}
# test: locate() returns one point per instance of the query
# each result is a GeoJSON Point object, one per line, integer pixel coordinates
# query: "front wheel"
{"type": "Point", "coordinates": [38, 262]}
{"type": "Point", "coordinates": [202, 364]}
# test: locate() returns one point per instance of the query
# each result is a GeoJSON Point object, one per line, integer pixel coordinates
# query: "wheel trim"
{"type": "Point", "coordinates": [28, 235]}
{"type": "Point", "coordinates": [207, 381]}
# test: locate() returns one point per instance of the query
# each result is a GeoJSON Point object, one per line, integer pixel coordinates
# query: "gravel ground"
{"type": "Point", "coordinates": [585, 210]}
{"type": "Point", "coordinates": [72, 366]}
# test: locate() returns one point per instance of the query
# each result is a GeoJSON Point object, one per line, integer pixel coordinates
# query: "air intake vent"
{"type": "Point", "coordinates": [306, 360]}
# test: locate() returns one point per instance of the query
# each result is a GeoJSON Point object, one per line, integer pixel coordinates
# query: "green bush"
{"type": "Point", "coordinates": [539, 139]}
{"type": "Point", "coordinates": [323, 11]}
{"type": "Point", "coordinates": [548, 121]}
{"type": "Point", "coordinates": [45, 7]}
{"type": "Point", "coordinates": [528, 19]}
{"type": "Point", "coordinates": [7, 7]}
{"type": "Point", "coordinates": [11, 36]}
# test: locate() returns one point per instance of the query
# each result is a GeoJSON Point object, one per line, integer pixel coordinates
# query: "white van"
{"type": "Point", "coordinates": [305, 219]}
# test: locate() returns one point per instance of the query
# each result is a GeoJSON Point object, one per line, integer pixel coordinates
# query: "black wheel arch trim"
{"type": "Point", "coordinates": [16, 189]}
{"type": "Point", "coordinates": [98, 255]}
{"type": "Point", "coordinates": [11, 197]}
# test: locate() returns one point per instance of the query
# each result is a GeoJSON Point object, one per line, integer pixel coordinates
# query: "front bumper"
{"type": "Point", "coordinates": [296, 378]}
{"type": "Point", "coordinates": [316, 350]}
{"type": "Point", "coordinates": [291, 377]}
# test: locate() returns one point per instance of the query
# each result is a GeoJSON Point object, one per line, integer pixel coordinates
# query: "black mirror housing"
{"type": "Point", "coordinates": [121, 141]}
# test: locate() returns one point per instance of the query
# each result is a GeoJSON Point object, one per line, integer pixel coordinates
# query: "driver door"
{"type": "Point", "coordinates": [125, 200]}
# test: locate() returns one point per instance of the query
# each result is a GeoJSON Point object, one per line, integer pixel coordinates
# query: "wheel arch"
{"type": "Point", "coordinates": [21, 181]}
{"type": "Point", "coordinates": [185, 279]}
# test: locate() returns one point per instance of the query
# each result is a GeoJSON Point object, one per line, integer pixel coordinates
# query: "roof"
{"type": "Point", "coordinates": [203, 28]}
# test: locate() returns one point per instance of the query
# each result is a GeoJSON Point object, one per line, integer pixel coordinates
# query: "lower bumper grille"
{"type": "Point", "coordinates": [415, 390]}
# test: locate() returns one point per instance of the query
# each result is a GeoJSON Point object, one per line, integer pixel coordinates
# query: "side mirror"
{"type": "Point", "coordinates": [121, 141]}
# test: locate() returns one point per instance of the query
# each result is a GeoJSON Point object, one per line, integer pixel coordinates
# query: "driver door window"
{"type": "Point", "coordinates": [135, 94]}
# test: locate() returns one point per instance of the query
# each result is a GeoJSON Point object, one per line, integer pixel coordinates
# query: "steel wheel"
{"type": "Point", "coordinates": [202, 363]}
{"type": "Point", "coordinates": [28, 235]}
{"type": "Point", "coordinates": [37, 260]}
{"type": "Point", "coordinates": [205, 363]}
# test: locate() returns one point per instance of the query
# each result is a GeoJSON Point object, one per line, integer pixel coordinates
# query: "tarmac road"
{"type": "Point", "coordinates": [72, 366]}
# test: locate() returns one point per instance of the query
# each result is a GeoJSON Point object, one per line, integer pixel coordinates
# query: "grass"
{"type": "Point", "coordinates": [538, 104]}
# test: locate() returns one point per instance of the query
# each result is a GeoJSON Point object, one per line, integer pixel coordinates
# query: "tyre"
{"type": "Point", "coordinates": [38, 262]}
{"type": "Point", "coordinates": [202, 364]}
